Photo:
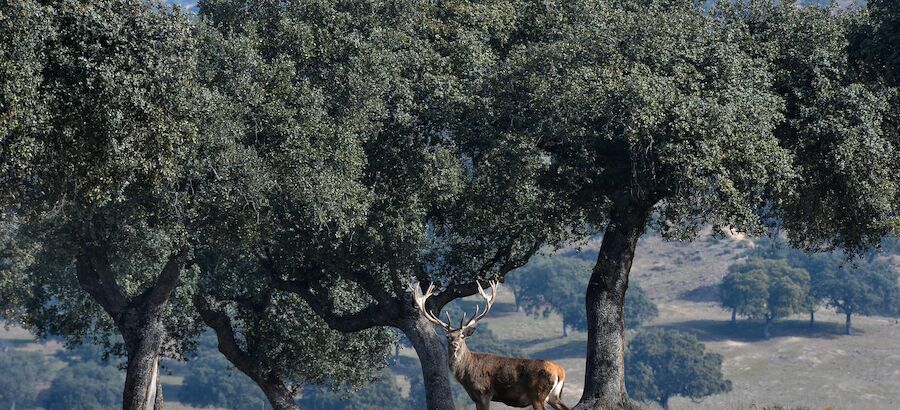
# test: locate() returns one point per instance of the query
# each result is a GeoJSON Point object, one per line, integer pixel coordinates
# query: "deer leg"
{"type": "Point", "coordinates": [558, 405]}
{"type": "Point", "coordinates": [483, 404]}
{"type": "Point", "coordinates": [539, 405]}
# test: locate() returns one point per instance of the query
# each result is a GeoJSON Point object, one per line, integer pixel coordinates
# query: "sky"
{"type": "Point", "coordinates": [186, 4]}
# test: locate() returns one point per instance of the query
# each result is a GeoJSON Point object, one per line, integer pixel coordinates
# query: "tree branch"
{"type": "Point", "coordinates": [101, 286]}
{"type": "Point", "coordinates": [220, 323]}
{"type": "Point", "coordinates": [166, 282]}
{"type": "Point", "coordinates": [456, 291]}
{"type": "Point", "coordinates": [370, 316]}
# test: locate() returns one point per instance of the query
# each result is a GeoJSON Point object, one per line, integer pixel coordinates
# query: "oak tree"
{"type": "Point", "coordinates": [662, 364]}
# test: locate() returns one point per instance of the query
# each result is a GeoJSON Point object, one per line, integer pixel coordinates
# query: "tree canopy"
{"type": "Point", "coordinates": [765, 289]}
{"type": "Point", "coordinates": [662, 364]}
{"type": "Point", "coordinates": [280, 158]}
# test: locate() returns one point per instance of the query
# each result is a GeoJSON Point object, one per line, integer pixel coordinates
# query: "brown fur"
{"type": "Point", "coordinates": [514, 382]}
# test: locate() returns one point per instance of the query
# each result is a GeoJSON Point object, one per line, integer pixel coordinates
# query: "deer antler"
{"type": "Point", "coordinates": [489, 301]}
{"type": "Point", "coordinates": [420, 302]}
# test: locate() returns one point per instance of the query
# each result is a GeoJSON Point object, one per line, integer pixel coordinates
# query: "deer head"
{"type": "Point", "coordinates": [456, 336]}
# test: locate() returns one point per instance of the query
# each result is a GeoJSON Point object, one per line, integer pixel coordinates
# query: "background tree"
{"type": "Point", "coordinates": [84, 386]}
{"type": "Point", "coordinates": [861, 289]}
{"type": "Point", "coordinates": [639, 309]}
{"type": "Point", "coordinates": [662, 364]}
{"type": "Point", "coordinates": [744, 293]}
{"type": "Point", "coordinates": [555, 284]}
{"type": "Point", "coordinates": [766, 289]}
{"type": "Point", "coordinates": [21, 374]}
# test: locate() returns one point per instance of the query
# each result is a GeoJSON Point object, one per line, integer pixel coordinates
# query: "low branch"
{"type": "Point", "coordinates": [371, 316]}
{"type": "Point", "coordinates": [220, 323]}
{"type": "Point", "coordinates": [453, 292]}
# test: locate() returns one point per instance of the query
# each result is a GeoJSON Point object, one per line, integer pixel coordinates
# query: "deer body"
{"type": "Point", "coordinates": [511, 381]}
{"type": "Point", "coordinates": [487, 377]}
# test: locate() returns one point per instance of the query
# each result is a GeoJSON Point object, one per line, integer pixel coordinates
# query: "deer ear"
{"type": "Point", "coordinates": [469, 331]}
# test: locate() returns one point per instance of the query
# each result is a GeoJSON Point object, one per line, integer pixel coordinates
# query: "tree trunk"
{"type": "Point", "coordinates": [143, 335]}
{"type": "Point", "coordinates": [278, 395]}
{"type": "Point", "coordinates": [433, 358]}
{"type": "Point", "coordinates": [733, 316]}
{"type": "Point", "coordinates": [848, 328]}
{"type": "Point", "coordinates": [139, 320]}
{"type": "Point", "coordinates": [604, 384]}
{"type": "Point", "coordinates": [565, 330]}
{"type": "Point", "coordinates": [812, 319]}
{"type": "Point", "coordinates": [516, 299]}
{"type": "Point", "coordinates": [766, 333]}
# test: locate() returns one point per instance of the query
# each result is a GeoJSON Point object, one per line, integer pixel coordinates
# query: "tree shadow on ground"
{"type": "Point", "coordinates": [574, 348]}
{"type": "Point", "coordinates": [752, 330]}
{"type": "Point", "coordinates": [527, 344]}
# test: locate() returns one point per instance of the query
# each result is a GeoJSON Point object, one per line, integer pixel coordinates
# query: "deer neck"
{"type": "Point", "coordinates": [459, 360]}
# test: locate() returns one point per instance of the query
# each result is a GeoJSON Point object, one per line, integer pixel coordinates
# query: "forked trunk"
{"type": "Point", "coordinates": [766, 333]}
{"type": "Point", "coordinates": [433, 358]}
{"type": "Point", "coordinates": [604, 384]}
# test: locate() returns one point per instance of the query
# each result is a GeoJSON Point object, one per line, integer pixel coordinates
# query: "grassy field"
{"type": "Point", "coordinates": [798, 367]}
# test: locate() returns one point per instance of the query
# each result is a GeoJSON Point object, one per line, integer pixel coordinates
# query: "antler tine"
{"type": "Point", "coordinates": [489, 302]}
{"type": "Point", "coordinates": [421, 302]}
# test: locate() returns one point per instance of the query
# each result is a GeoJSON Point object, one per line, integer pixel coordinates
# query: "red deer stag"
{"type": "Point", "coordinates": [486, 377]}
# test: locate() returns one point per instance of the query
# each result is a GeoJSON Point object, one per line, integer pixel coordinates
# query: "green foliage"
{"type": "Point", "coordinates": [282, 336]}
{"type": "Point", "coordinates": [661, 364]}
{"type": "Point", "coordinates": [21, 374]}
{"type": "Point", "coordinates": [639, 309]}
{"type": "Point", "coordinates": [765, 289]}
{"type": "Point", "coordinates": [866, 288]}
{"type": "Point", "coordinates": [861, 286]}
{"type": "Point", "coordinates": [213, 382]}
{"type": "Point", "coordinates": [556, 284]}
{"type": "Point", "coordinates": [85, 386]}
{"type": "Point", "coordinates": [838, 124]}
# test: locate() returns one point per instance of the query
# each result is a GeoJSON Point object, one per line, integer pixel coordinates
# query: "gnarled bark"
{"type": "Point", "coordinates": [604, 384]}
{"type": "Point", "coordinates": [138, 319]}
{"type": "Point", "coordinates": [143, 334]}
